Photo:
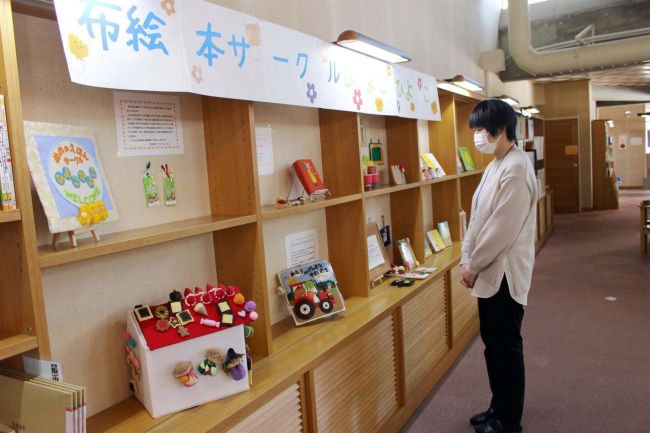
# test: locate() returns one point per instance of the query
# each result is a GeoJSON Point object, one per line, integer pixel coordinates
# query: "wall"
{"type": "Point", "coordinates": [629, 164]}
{"type": "Point", "coordinates": [572, 99]}
{"type": "Point", "coordinates": [85, 303]}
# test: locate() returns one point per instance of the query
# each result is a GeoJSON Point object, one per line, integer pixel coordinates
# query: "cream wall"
{"type": "Point", "coordinates": [86, 302]}
{"type": "Point", "coordinates": [573, 99]}
{"type": "Point", "coordinates": [629, 164]}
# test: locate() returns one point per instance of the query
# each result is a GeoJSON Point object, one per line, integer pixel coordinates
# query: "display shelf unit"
{"type": "Point", "coordinates": [8, 216]}
{"type": "Point", "coordinates": [292, 364]}
{"type": "Point", "coordinates": [139, 238]}
{"type": "Point", "coordinates": [23, 324]}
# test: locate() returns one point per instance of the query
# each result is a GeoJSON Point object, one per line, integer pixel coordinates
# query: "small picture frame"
{"type": "Point", "coordinates": [407, 254]}
{"type": "Point", "coordinates": [378, 263]}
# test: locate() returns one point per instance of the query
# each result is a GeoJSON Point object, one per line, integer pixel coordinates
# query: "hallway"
{"type": "Point", "coordinates": [587, 358]}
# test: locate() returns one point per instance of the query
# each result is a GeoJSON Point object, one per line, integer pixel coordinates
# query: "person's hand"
{"type": "Point", "coordinates": [467, 279]}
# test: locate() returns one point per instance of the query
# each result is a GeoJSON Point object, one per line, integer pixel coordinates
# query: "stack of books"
{"type": "Point", "coordinates": [35, 404]}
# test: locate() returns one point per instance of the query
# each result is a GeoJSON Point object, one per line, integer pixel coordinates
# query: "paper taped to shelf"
{"type": "Point", "coordinates": [199, 47]}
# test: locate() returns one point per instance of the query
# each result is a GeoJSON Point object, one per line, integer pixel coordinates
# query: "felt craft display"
{"type": "Point", "coordinates": [184, 372]}
{"type": "Point", "coordinates": [219, 312]}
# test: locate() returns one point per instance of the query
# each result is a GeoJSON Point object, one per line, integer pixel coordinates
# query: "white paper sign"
{"type": "Point", "coordinates": [43, 368]}
{"type": "Point", "coordinates": [301, 247]}
{"type": "Point", "coordinates": [200, 47]}
{"type": "Point", "coordinates": [148, 124]}
{"type": "Point", "coordinates": [264, 144]}
{"type": "Point", "coordinates": [636, 141]}
{"type": "Point", "coordinates": [375, 257]}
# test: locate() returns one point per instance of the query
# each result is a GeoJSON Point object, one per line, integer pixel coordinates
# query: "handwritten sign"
{"type": "Point", "coordinates": [148, 124]}
{"type": "Point", "coordinates": [199, 47]}
{"type": "Point", "coordinates": [301, 247]}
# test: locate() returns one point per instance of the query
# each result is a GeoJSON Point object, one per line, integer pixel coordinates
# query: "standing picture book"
{"type": "Point", "coordinates": [68, 176]}
{"type": "Point", "coordinates": [7, 193]}
{"type": "Point", "coordinates": [445, 234]}
{"type": "Point", "coordinates": [431, 162]}
{"type": "Point", "coordinates": [435, 240]}
{"type": "Point", "coordinates": [407, 254]}
{"type": "Point", "coordinates": [466, 158]}
{"type": "Point", "coordinates": [311, 291]}
{"type": "Point", "coordinates": [309, 177]}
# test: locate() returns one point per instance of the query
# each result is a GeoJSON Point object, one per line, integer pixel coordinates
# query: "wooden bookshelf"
{"type": "Point", "coordinates": [383, 190]}
{"type": "Point", "coordinates": [7, 216]}
{"type": "Point", "coordinates": [271, 212]}
{"type": "Point", "coordinates": [139, 238]}
{"type": "Point", "coordinates": [15, 344]}
{"type": "Point", "coordinates": [471, 173]}
{"type": "Point", "coordinates": [439, 180]}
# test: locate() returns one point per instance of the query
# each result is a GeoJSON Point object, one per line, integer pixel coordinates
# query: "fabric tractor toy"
{"type": "Point", "coordinates": [307, 294]}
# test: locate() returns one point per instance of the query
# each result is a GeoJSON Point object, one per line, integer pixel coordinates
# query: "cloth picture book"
{"type": "Point", "coordinates": [7, 194]}
{"type": "Point", "coordinates": [466, 158]}
{"type": "Point", "coordinates": [443, 229]}
{"type": "Point", "coordinates": [309, 177]}
{"type": "Point", "coordinates": [311, 291]}
{"type": "Point", "coordinates": [430, 161]}
{"type": "Point", "coordinates": [435, 240]}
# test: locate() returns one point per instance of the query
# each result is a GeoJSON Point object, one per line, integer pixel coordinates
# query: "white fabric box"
{"type": "Point", "coordinates": [161, 393]}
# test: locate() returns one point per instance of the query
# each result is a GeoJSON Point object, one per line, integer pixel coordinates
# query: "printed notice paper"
{"type": "Point", "coordinates": [148, 124]}
{"type": "Point", "coordinates": [264, 144]}
{"type": "Point", "coordinates": [375, 257]}
{"type": "Point", "coordinates": [301, 247]}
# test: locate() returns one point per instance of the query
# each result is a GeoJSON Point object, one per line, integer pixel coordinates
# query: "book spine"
{"type": "Point", "coordinates": [7, 193]}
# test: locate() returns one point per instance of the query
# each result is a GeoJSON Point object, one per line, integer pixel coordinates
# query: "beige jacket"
{"type": "Point", "coordinates": [501, 235]}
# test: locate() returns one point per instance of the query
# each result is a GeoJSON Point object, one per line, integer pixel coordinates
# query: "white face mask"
{"type": "Point", "coordinates": [482, 143]}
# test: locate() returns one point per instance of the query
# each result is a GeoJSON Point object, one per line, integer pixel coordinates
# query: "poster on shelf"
{"type": "Point", "coordinates": [301, 247]}
{"type": "Point", "coordinates": [67, 174]}
{"type": "Point", "coordinates": [264, 145]}
{"type": "Point", "coordinates": [197, 46]}
{"type": "Point", "coordinates": [148, 124]}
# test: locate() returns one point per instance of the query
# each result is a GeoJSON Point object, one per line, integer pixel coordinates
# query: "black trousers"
{"type": "Point", "coordinates": [501, 318]}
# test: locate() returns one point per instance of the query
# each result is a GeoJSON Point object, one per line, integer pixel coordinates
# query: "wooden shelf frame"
{"type": "Point", "coordinates": [7, 216]}
{"type": "Point", "coordinates": [16, 344]}
{"type": "Point", "coordinates": [388, 189]}
{"type": "Point", "coordinates": [139, 238]}
{"type": "Point", "coordinates": [271, 212]}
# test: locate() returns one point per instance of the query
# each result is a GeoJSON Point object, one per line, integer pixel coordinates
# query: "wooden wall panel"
{"type": "Point", "coordinates": [425, 332]}
{"type": "Point", "coordinates": [464, 306]}
{"type": "Point", "coordinates": [356, 389]}
{"type": "Point", "coordinates": [282, 414]}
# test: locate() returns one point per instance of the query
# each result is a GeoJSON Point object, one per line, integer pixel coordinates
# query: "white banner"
{"type": "Point", "coordinates": [199, 47]}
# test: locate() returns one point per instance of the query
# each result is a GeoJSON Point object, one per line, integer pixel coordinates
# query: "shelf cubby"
{"type": "Point", "coordinates": [442, 135]}
{"type": "Point", "coordinates": [15, 344]}
{"type": "Point", "coordinates": [446, 205]}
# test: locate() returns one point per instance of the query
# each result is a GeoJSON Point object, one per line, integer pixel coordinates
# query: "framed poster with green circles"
{"type": "Point", "coordinates": [67, 172]}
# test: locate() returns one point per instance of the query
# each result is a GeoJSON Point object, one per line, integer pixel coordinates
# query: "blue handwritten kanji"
{"type": "Point", "coordinates": [304, 57]}
{"type": "Point", "coordinates": [108, 29]}
{"type": "Point", "coordinates": [209, 49]}
{"type": "Point", "coordinates": [234, 43]}
{"type": "Point", "coordinates": [281, 59]}
{"type": "Point", "coordinates": [139, 32]}
{"type": "Point", "coordinates": [333, 73]}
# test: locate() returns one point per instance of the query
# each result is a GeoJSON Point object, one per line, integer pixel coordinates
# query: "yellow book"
{"type": "Point", "coordinates": [435, 240]}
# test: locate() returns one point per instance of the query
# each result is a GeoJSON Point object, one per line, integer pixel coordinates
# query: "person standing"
{"type": "Point", "coordinates": [498, 254]}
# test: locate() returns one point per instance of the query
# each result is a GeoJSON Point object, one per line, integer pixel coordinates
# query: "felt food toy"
{"type": "Point", "coordinates": [184, 372]}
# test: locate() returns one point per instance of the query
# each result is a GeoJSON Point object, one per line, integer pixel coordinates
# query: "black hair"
{"type": "Point", "coordinates": [493, 115]}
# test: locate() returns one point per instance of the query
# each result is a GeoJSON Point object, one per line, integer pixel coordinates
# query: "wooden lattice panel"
{"type": "Point", "coordinates": [425, 332]}
{"type": "Point", "coordinates": [282, 414]}
{"type": "Point", "coordinates": [356, 389]}
{"type": "Point", "coordinates": [464, 307]}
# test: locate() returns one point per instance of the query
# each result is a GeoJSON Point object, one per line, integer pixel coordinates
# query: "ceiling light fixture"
{"type": "Point", "coordinates": [466, 83]}
{"type": "Point", "coordinates": [371, 47]}
{"type": "Point", "coordinates": [508, 99]}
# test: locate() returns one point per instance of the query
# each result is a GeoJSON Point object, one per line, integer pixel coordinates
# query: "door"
{"type": "Point", "coordinates": [562, 169]}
